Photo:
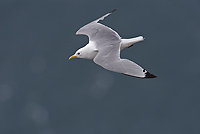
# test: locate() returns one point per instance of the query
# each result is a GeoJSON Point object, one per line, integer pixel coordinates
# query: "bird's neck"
{"type": "Point", "coordinates": [91, 51]}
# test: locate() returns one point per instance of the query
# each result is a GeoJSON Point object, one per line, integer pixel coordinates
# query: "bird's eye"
{"type": "Point", "coordinates": [78, 53]}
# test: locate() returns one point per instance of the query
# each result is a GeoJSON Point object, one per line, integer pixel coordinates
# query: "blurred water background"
{"type": "Point", "coordinates": [41, 92]}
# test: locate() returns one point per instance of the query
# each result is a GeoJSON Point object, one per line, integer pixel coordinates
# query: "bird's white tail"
{"type": "Point", "coordinates": [128, 42]}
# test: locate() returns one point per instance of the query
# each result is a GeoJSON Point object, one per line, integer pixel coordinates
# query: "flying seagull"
{"type": "Point", "coordinates": [104, 49]}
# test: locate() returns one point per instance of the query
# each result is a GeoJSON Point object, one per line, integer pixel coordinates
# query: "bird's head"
{"type": "Point", "coordinates": [80, 53]}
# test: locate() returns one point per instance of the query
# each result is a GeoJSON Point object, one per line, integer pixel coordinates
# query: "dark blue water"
{"type": "Point", "coordinates": [41, 92]}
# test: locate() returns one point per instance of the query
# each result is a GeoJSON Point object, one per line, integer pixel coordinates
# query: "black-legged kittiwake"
{"type": "Point", "coordinates": [104, 48]}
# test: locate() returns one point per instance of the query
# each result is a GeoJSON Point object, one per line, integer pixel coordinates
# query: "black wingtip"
{"type": "Point", "coordinates": [113, 10]}
{"type": "Point", "coordinates": [130, 46]}
{"type": "Point", "coordinates": [148, 75]}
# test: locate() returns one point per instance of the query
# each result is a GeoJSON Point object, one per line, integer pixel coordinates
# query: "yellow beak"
{"type": "Point", "coordinates": [71, 57]}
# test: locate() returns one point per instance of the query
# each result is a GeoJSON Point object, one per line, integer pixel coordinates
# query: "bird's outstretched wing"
{"type": "Point", "coordinates": [110, 60]}
{"type": "Point", "coordinates": [98, 32]}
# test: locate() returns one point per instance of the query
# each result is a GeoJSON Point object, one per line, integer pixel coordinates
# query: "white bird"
{"type": "Point", "coordinates": [104, 48]}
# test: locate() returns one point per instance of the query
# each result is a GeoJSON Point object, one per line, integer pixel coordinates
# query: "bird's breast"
{"type": "Point", "coordinates": [92, 54]}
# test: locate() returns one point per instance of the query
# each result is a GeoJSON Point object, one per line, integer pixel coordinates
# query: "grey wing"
{"type": "Point", "coordinates": [110, 60]}
{"type": "Point", "coordinates": [99, 33]}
